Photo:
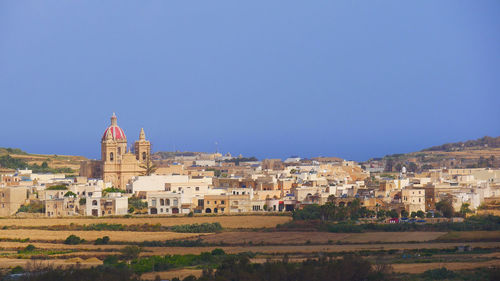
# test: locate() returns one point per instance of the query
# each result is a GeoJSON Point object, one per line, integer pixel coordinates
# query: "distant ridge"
{"type": "Point", "coordinates": [484, 142]}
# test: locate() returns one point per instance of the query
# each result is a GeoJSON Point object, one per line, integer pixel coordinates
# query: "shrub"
{"type": "Point", "coordinates": [102, 241]}
{"type": "Point", "coordinates": [32, 207]}
{"type": "Point", "coordinates": [131, 252]}
{"type": "Point", "coordinates": [73, 240]}
{"type": "Point", "coordinates": [197, 228]}
{"type": "Point", "coordinates": [218, 252]}
{"type": "Point", "coordinates": [439, 274]}
{"type": "Point", "coordinates": [16, 270]}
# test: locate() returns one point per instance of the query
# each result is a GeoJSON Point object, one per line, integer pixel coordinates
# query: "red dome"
{"type": "Point", "coordinates": [116, 133]}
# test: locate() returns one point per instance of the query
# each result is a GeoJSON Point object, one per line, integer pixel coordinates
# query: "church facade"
{"type": "Point", "coordinates": [118, 163]}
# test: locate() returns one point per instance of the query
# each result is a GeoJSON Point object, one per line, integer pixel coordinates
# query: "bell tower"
{"type": "Point", "coordinates": [142, 147]}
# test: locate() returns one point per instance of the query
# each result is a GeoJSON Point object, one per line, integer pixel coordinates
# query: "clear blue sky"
{"type": "Point", "coordinates": [354, 79]}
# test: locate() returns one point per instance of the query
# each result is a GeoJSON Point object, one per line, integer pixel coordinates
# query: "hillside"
{"type": "Point", "coordinates": [480, 153]}
{"type": "Point", "coordinates": [15, 158]}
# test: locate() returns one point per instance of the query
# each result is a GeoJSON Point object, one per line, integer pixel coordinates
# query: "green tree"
{"type": "Point", "coordinates": [393, 214]}
{"type": "Point", "coordinates": [381, 214]}
{"type": "Point", "coordinates": [464, 209]}
{"type": "Point", "coordinates": [413, 214]}
{"type": "Point", "coordinates": [404, 214]}
{"type": "Point", "coordinates": [445, 207]}
{"type": "Point", "coordinates": [69, 193]}
{"type": "Point", "coordinates": [131, 252]}
{"type": "Point", "coordinates": [420, 214]}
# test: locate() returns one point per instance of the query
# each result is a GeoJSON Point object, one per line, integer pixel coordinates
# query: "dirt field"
{"type": "Point", "coordinates": [34, 234]}
{"type": "Point", "coordinates": [421, 267]}
{"type": "Point", "coordinates": [167, 275]}
{"type": "Point", "coordinates": [298, 245]}
{"type": "Point", "coordinates": [225, 221]}
{"type": "Point", "coordinates": [470, 235]}
{"type": "Point", "coordinates": [319, 237]}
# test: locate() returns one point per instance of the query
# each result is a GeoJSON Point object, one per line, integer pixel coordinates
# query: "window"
{"type": "Point", "coordinates": [168, 202]}
{"type": "Point", "coordinates": [119, 150]}
{"type": "Point", "coordinates": [197, 188]}
{"type": "Point", "coordinates": [162, 202]}
{"type": "Point", "coordinates": [94, 203]}
{"type": "Point", "coordinates": [111, 156]}
{"type": "Point", "coordinates": [179, 188]}
{"type": "Point", "coordinates": [176, 202]}
{"type": "Point", "coordinates": [144, 156]}
{"type": "Point", "coordinates": [222, 202]}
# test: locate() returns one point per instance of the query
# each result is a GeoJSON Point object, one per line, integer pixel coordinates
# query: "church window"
{"type": "Point", "coordinates": [144, 156]}
{"type": "Point", "coordinates": [111, 156]}
{"type": "Point", "coordinates": [119, 150]}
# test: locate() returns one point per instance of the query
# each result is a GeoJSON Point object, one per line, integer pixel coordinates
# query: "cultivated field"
{"type": "Point", "coordinates": [318, 237]}
{"type": "Point", "coordinates": [126, 236]}
{"type": "Point", "coordinates": [254, 234]}
{"type": "Point", "coordinates": [225, 221]}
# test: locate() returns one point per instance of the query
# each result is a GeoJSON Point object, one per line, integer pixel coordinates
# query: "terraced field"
{"type": "Point", "coordinates": [255, 234]}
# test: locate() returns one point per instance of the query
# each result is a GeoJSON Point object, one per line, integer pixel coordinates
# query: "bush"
{"type": "Point", "coordinates": [32, 207]}
{"type": "Point", "coordinates": [438, 274]}
{"type": "Point", "coordinates": [218, 252]}
{"type": "Point", "coordinates": [102, 241]}
{"type": "Point", "coordinates": [197, 228]}
{"type": "Point", "coordinates": [137, 203]}
{"type": "Point", "coordinates": [16, 270]}
{"type": "Point", "coordinates": [131, 252]}
{"type": "Point", "coordinates": [73, 240]}
{"type": "Point", "coordinates": [70, 193]}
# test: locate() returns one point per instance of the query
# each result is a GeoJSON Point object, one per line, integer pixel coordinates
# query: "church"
{"type": "Point", "coordinates": [118, 163]}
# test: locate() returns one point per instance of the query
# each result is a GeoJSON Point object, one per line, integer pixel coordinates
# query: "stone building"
{"type": "Point", "coordinates": [118, 165]}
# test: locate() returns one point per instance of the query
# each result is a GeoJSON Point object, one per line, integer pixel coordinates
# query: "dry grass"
{"type": "Point", "coordinates": [225, 221]}
{"type": "Point", "coordinates": [279, 249]}
{"type": "Point", "coordinates": [168, 275]}
{"type": "Point", "coordinates": [318, 237]}
{"type": "Point", "coordinates": [34, 234]}
{"type": "Point", "coordinates": [273, 237]}
{"type": "Point", "coordinates": [421, 267]}
{"type": "Point", "coordinates": [9, 263]}
{"type": "Point", "coordinates": [470, 235]}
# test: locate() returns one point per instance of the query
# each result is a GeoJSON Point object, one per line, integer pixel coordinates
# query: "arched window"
{"type": "Point", "coordinates": [168, 202]}
{"type": "Point", "coordinates": [144, 156]}
{"type": "Point", "coordinates": [111, 156]}
{"type": "Point", "coordinates": [119, 150]}
{"type": "Point", "coordinates": [162, 202]}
